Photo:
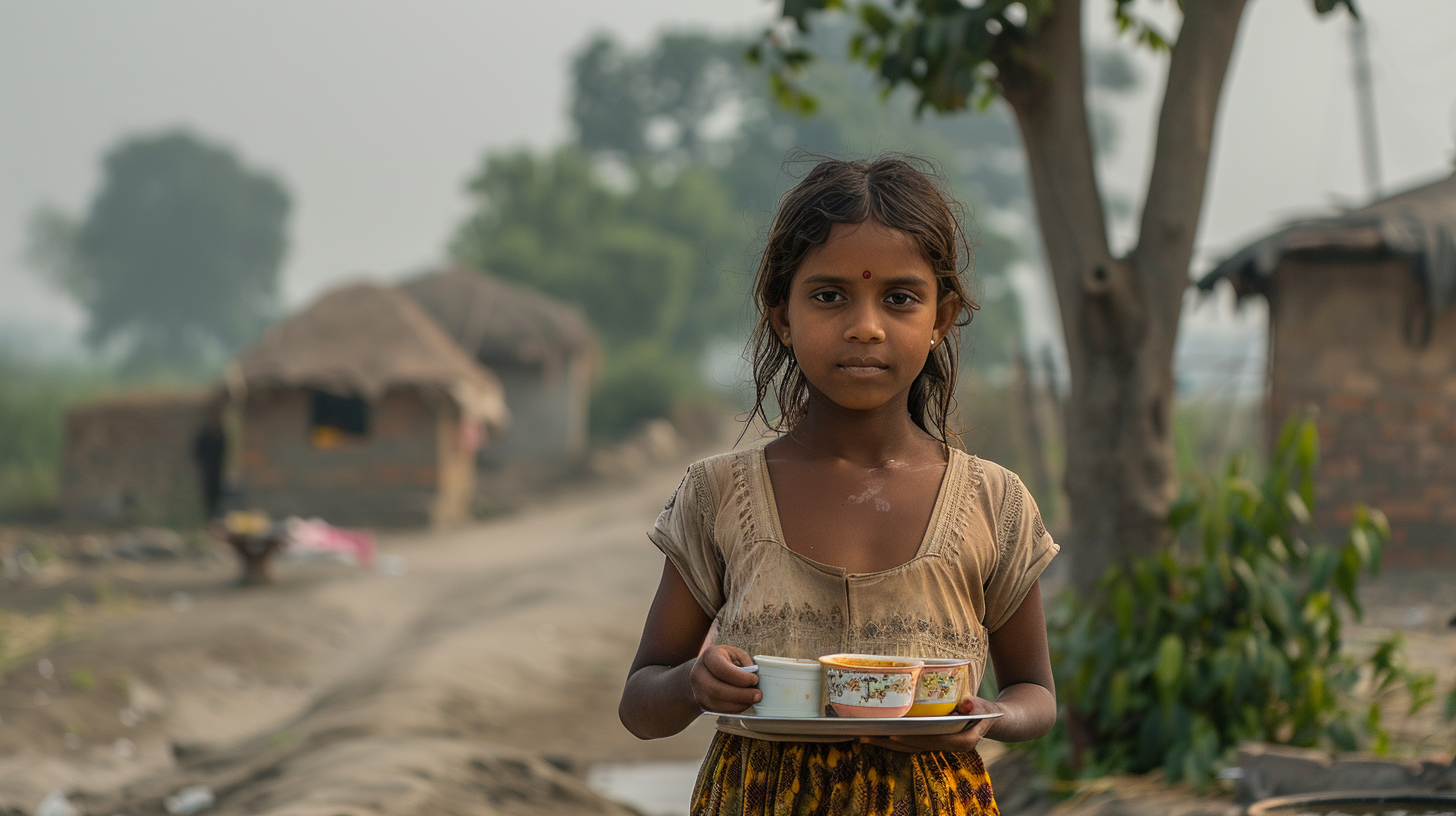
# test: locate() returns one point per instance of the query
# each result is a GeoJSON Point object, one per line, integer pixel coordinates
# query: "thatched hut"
{"type": "Point", "coordinates": [362, 411]}
{"type": "Point", "coordinates": [131, 458]}
{"type": "Point", "coordinates": [543, 351]}
{"type": "Point", "coordinates": [1362, 326]}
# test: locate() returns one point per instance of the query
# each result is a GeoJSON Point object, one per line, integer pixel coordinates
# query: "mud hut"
{"type": "Point", "coordinates": [130, 458]}
{"type": "Point", "coordinates": [360, 410]}
{"type": "Point", "coordinates": [543, 351]}
{"type": "Point", "coordinates": [1362, 326]}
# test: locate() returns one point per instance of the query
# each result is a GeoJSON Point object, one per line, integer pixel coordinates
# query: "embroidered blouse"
{"type": "Point", "coordinates": [982, 551]}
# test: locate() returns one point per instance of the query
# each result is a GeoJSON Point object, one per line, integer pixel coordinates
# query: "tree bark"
{"type": "Point", "coordinates": [1119, 315]}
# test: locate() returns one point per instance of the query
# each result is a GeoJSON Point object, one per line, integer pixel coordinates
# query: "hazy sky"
{"type": "Point", "coordinates": [374, 113]}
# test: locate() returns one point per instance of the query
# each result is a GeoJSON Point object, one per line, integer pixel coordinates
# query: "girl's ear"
{"type": "Point", "coordinates": [778, 317]}
{"type": "Point", "coordinates": [946, 310]}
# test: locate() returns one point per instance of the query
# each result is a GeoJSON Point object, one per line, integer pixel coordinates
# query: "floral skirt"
{"type": "Point", "coordinates": [749, 777]}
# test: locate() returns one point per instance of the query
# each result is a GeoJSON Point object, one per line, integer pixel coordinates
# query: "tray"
{"type": "Point", "coordinates": [851, 726]}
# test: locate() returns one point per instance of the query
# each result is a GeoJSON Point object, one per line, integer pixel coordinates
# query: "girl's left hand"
{"type": "Point", "coordinates": [960, 741]}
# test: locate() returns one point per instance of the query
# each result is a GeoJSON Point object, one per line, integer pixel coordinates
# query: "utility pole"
{"type": "Point", "coordinates": [1365, 105]}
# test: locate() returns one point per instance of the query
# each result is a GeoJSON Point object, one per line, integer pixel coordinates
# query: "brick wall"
{"type": "Point", "coordinates": [129, 460]}
{"type": "Point", "coordinates": [1387, 410]}
{"type": "Point", "coordinates": [393, 477]}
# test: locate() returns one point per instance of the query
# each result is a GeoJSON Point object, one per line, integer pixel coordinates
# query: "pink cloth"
{"type": "Point", "coordinates": [318, 536]}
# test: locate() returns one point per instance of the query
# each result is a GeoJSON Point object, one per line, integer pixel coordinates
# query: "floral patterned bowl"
{"type": "Point", "coordinates": [861, 685]}
{"type": "Point", "coordinates": [942, 684]}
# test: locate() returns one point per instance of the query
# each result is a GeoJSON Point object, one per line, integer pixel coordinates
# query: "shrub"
{"type": "Point", "coordinates": [638, 384]}
{"type": "Point", "coordinates": [33, 403]}
{"type": "Point", "coordinates": [1231, 634]}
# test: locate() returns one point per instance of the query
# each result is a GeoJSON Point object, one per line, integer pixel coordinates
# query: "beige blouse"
{"type": "Point", "coordinates": [983, 550]}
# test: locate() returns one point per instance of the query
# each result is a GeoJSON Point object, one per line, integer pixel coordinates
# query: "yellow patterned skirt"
{"type": "Point", "coordinates": [749, 777]}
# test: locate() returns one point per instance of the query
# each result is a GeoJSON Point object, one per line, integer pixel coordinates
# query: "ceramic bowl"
{"type": "Point", "coordinates": [941, 685]}
{"type": "Point", "coordinates": [861, 685]}
{"type": "Point", "coordinates": [791, 687]}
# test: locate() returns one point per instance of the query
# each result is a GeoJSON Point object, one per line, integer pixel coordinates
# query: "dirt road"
{"type": "Point", "coordinates": [480, 681]}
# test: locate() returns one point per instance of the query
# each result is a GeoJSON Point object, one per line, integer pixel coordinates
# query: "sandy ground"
{"type": "Point", "coordinates": [483, 680]}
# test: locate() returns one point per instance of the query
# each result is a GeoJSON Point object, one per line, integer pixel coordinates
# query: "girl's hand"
{"type": "Point", "coordinates": [719, 684]}
{"type": "Point", "coordinates": [960, 741]}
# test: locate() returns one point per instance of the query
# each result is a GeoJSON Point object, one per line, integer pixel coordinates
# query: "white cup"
{"type": "Point", "coordinates": [791, 687]}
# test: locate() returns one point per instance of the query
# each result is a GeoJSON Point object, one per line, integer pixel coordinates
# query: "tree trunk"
{"type": "Point", "coordinates": [1119, 315]}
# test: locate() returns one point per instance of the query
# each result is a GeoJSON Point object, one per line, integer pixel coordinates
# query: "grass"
{"type": "Point", "coordinates": [33, 403]}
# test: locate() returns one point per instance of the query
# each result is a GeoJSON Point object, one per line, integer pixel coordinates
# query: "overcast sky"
{"type": "Point", "coordinates": [374, 112]}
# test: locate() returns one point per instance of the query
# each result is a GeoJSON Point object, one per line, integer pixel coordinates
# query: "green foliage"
{"type": "Point", "coordinates": [645, 263]}
{"type": "Point", "coordinates": [1233, 634]}
{"type": "Point", "coordinates": [641, 383]}
{"type": "Point", "coordinates": [177, 258]}
{"type": "Point", "coordinates": [952, 54]}
{"type": "Point", "coordinates": [33, 401]}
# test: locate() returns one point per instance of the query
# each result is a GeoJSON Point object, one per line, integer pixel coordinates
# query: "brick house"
{"type": "Point", "coordinates": [362, 411]}
{"type": "Point", "coordinates": [1362, 313]}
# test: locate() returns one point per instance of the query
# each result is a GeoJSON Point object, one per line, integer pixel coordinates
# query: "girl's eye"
{"type": "Point", "coordinates": [827, 296]}
{"type": "Point", "coordinates": [900, 298]}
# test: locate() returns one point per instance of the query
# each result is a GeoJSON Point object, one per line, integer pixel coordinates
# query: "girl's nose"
{"type": "Point", "coordinates": [865, 327]}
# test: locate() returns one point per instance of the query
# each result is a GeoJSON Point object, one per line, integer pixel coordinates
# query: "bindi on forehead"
{"type": "Point", "coordinates": [866, 274]}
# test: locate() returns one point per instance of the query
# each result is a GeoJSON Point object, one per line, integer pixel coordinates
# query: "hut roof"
{"type": "Point", "coordinates": [363, 338]}
{"type": "Point", "coordinates": [1418, 225]}
{"type": "Point", "coordinates": [501, 323]}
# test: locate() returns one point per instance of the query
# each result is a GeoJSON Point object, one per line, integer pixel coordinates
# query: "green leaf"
{"type": "Point", "coordinates": [1169, 667]}
{"type": "Point", "coordinates": [876, 19]}
{"type": "Point", "coordinates": [1119, 691]}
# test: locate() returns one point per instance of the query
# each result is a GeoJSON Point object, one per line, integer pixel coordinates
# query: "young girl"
{"type": "Point", "coordinates": [859, 529]}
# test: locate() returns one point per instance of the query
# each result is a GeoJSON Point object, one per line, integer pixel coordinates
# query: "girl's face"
{"type": "Point", "coordinates": [862, 313]}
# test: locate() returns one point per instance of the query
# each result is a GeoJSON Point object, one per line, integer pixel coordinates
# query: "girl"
{"type": "Point", "coordinates": [859, 529]}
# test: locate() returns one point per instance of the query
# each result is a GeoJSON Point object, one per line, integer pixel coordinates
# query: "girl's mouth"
{"type": "Point", "coordinates": [863, 365]}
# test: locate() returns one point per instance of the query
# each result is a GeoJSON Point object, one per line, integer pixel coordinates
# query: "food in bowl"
{"type": "Point", "coordinates": [791, 687]}
{"type": "Point", "coordinates": [941, 685]}
{"type": "Point", "coordinates": [860, 685]}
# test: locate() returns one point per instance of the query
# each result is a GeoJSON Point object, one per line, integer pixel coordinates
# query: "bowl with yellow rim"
{"type": "Point", "coordinates": [941, 686]}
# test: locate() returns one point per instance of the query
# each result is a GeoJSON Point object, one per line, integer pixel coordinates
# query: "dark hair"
{"type": "Point", "coordinates": [897, 192]}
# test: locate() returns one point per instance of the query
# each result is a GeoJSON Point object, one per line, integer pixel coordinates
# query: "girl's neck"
{"type": "Point", "coordinates": [865, 438]}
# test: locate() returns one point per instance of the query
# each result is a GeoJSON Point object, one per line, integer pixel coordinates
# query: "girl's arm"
{"type": "Point", "coordinates": [1027, 701]}
{"type": "Point", "coordinates": [670, 684]}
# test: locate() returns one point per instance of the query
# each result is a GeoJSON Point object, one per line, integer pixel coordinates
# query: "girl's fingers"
{"type": "Point", "coordinates": [728, 699]}
{"type": "Point", "coordinates": [725, 663]}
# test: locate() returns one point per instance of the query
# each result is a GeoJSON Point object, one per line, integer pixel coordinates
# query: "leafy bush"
{"type": "Point", "coordinates": [1232, 634]}
{"type": "Point", "coordinates": [641, 383]}
{"type": "Point", "coordinates": [33, 403]}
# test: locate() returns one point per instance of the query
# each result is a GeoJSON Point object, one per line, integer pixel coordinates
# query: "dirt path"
{"type": "Point", "coordinates": [341, 692]}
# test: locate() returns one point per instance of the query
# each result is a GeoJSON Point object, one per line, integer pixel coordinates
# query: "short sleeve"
{"type": "Point", "coordinates": [684, 533]}
{"type": "Point", "coordinates": [1024, 549]}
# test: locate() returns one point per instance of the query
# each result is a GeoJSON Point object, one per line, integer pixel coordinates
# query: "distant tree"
{"type": "Point", "coordinates": [1119, 313]}
{"type": "Point", "coordinates": [637, 256]}
{"type": "Point", "coordinates": [177, 257]}
{"type": "Point", "coordinates": [642, 254]}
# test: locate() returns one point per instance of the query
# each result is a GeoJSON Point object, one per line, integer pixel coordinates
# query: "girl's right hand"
{"type": "Point", "coordinates": [720, 684]}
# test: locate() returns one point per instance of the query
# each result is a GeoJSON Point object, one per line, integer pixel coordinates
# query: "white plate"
{"type": "Point", "coordinates": [851, 726]}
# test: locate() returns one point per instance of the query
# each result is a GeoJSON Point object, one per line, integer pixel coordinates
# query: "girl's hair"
{"type": "Point", "coordinates": [899, 193]}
